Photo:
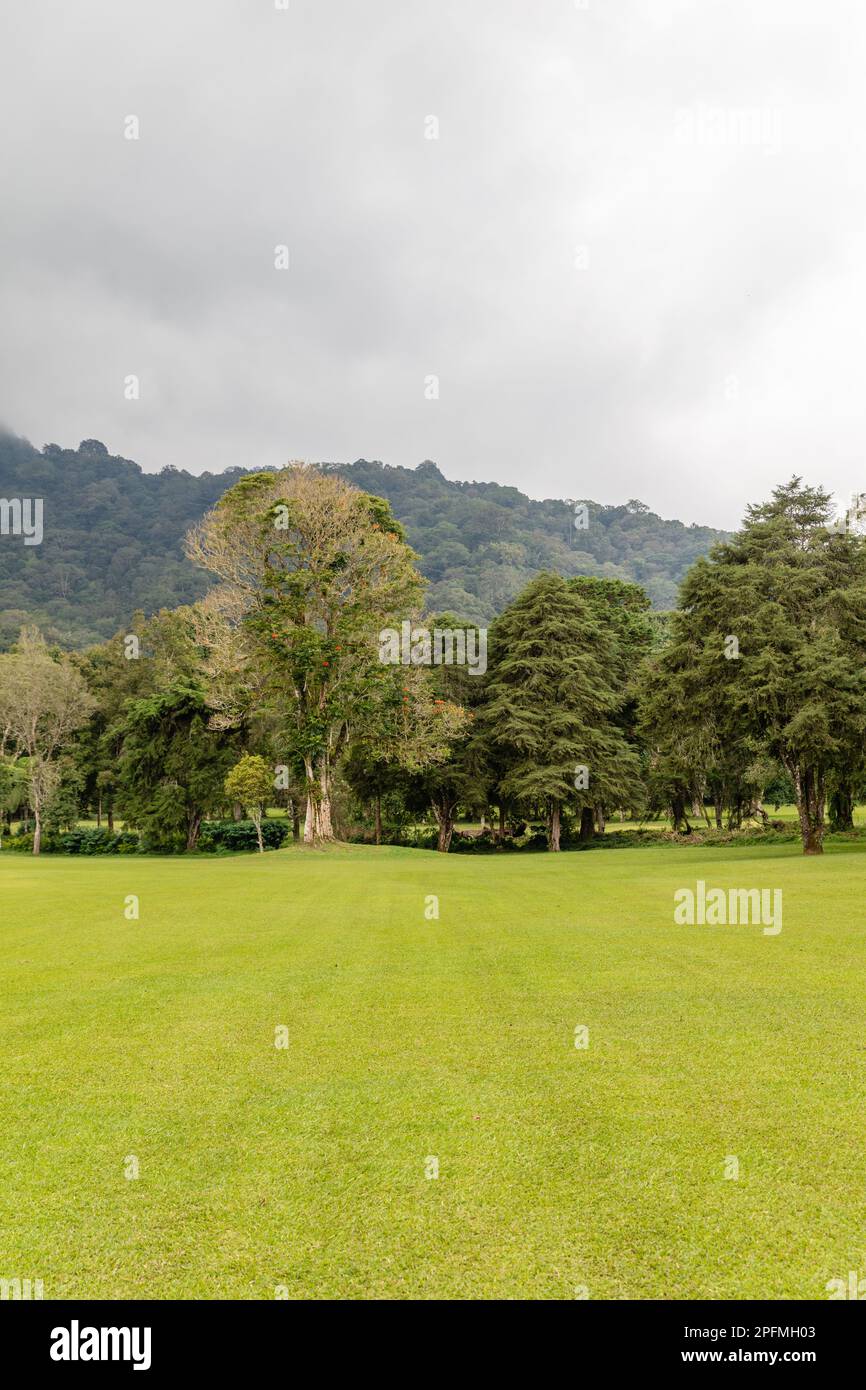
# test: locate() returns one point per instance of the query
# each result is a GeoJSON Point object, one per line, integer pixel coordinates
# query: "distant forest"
{"type": "Point", "coordinates": [114, 539]}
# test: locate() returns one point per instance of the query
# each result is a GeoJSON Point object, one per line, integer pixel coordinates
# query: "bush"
{"type": "Point", "coordinates": [95, 842]}
{"type": "Point", "coordinates": [485, 842]}
{"type": "Point", "coordinates": [216, 837]}
{"type": "Point", "coordinates": [18, 844]}
{"type": "Point", "coordinates": [227, 836]}
{"type": "Point", "coordinates": [83, 841]}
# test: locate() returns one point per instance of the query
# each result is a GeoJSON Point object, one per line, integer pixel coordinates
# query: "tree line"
{"type": "Point", "coordinates": [114, 539]}
{"type": "Point", "coordinates": [271, 690]}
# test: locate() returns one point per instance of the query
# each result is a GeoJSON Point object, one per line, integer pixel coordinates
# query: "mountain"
{"type": "Point", "coordinates": [113, 539]}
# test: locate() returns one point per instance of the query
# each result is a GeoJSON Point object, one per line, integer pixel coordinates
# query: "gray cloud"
{"type": "Point", "coordinates": [633, 256]}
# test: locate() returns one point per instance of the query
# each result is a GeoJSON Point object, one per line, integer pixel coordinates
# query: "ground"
{"type": "Point", "coordinates": [563, 1171]}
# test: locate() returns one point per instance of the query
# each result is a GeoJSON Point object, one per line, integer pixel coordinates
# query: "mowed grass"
{"type": "Point", "coordinates": [560, 1168]}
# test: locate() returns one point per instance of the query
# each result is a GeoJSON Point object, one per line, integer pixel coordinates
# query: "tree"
{"type": "Point", "coordinates": [173, 766]}
{"type": "Point", "coordinates": [130, 666]}
{"type": "Point", "coordinates": [251, 782]}
{"type": "Point", "coordinates": [768, 649]}
{"type": "Point", "coordinates": [13, 787]}
{"type": "Point", "coordinates": [552, 704]}
{"type": "Point", "coordinates": [622, 613]}
{"type": "Point", "coordinates": [416, 740]}
{"type": "Point", "coordinates": [311, 570]}
{"type": "Point", "coordinates": [43, 700]}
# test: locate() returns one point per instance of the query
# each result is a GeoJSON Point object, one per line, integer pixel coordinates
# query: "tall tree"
{"type": "Point", "coordinates": [311, 570]}
{"type": "Point", "coordinates": [768, 648]}
{"type": "Point", "coordinates": [43, 700]}
{"type": "Point", "coordinates": [622, 612]}
{"type": "Point", "coordinates": [173, 766]}
{"type": "Point", "coordinates": [552, 704]}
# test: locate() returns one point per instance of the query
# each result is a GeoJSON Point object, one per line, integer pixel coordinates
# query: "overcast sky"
{"type": "Point", "coordinates": [633, 257]}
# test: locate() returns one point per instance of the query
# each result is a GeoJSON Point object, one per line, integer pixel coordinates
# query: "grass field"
{"type": "Point", "coordinates": [304, 1168]}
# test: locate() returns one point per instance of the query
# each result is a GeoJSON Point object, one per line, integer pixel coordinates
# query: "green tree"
{"type": "Point", "coordinates": [552, 704]}
{"type": "Point", "coordinates": [173, 765]}
{"type": "Point", "coordinates": [311, 570]}
{"type": "Point", "coordinates": [251, 782]}
{"type": "Point", "coordinates": [43, 701]}
{"type": "Point", "coordinates": [768, 648]}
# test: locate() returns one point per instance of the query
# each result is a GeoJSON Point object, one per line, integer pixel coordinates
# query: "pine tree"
{"type": "Point", "coordinates": [552, 704]}
{"type": "Point", "coordinates": [768, 649]}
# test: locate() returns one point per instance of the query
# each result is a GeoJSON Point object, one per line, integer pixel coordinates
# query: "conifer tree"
{"type": "Point", "coordinates": [552, 704]}
{"type": "Point", "coordinates": [768, 649]}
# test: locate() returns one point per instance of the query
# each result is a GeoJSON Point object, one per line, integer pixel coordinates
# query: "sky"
{"type": "Point", "coordinates": [597, 249]}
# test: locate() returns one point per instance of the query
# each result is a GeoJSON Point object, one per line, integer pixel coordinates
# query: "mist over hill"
{"type": "Point", "coordinates": [113, 539]}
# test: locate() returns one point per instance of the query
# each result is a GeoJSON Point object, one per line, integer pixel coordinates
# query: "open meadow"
{"type": "Point", "coordinates": [416, 1044]}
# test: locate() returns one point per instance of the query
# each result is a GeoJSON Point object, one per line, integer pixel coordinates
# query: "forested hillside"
{"type": "Point", "coordinates": [113, 539]}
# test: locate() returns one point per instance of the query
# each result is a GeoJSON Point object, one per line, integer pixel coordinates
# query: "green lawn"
{"type": "Point", "coordinates": [409, 1039]}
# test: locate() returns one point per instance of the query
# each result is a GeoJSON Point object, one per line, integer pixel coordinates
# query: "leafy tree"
{"type": "Point", "coordinates": [311, 571]}
{"type": "Point", "coordinates": [43, 701]}
{"type": "Point", "coordinates": [251, 782]}
{"type": "Point", "coordinates": [129, 666]}
{"type": "Point", "coordinates": [414, 741]}
{"type": "Point", "coordinates": [13, 787]}
{"type": "Point", "coordinates": [173, 765]}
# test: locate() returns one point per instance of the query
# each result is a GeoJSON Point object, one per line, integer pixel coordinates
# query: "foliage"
{"type": "Point", "coordinates": [250, 783]}
{"type": "Point", "coordinates": [310, 571]}
{"type": "Point", "coordinates": [767, 657]}
{"type": "Point", "coordinates": [554, 698]}
{"type": "Point", "coordinates": [43, 701]}
{"type": "Point", "coordinates": [117, 539]}
{"type": "Point", "coordinates": [172, 767]}
{"type": "Point", "coordinates": [239, 835]}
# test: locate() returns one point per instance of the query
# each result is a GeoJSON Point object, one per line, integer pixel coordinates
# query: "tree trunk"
{"type": "Point", "coordinates": [193, 827]}
{"type": "Point", "coordinates": [446, 830]}
{"type": "Point", "coordinates": [554, 826]}
{"type": "Point", "coordinates": [296, 820]}
{"type": "Point", "coordinates": [378, 819]}
{"type": "Point", "coordinates": [444, 811]}
{"type": "Point", "coordinates": [37, 830]}
{"type": "Point", "coordinates": [842, 807]}
{"type": "Point", "coordinates": [111, 819]}
{"type": "Point", "coordinates": [99, 813]}
{"type": "Point", "coordinates": [809, 786]}
{"type": "Point", "coordinates": [718, 807]}
{"type": "Point", "coordinates": [258, 821]}
{"type": "Point", "coordinates": [238, 811]}
{"type": "Point", "coordinates": [317, 823]}
{"type": "Point", "coordinates": [679, 819]}
{"type": "Point", "coordinates": [599, 819]}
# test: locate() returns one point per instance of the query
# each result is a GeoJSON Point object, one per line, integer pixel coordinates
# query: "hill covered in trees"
{"type": "Point", "coordinates": [113, 539]}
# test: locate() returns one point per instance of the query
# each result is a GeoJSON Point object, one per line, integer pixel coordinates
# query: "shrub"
{"type": "Point", "coordinates": [95, 842]}
{"type": "Point", "coordinates": [225, 836]}
{"type": "Point", "coordinates": [79, 841]}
